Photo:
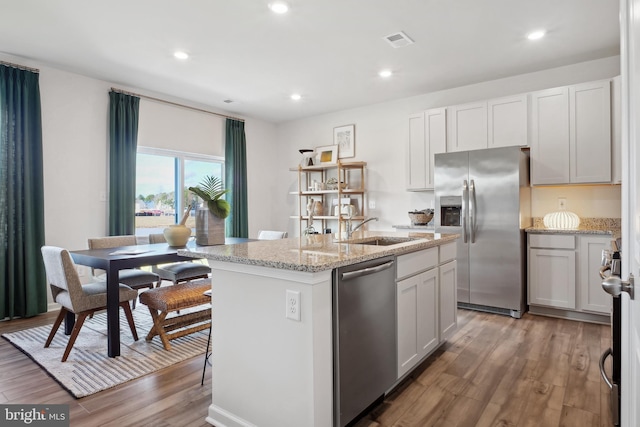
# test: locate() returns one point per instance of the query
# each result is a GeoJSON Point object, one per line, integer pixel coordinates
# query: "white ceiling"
{"type": "Point", "coordinates": [330, 51]}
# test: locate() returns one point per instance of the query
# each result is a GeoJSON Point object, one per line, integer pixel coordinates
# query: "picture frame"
{"type": "Point", "coordinates": [327, 155]}
{"type": "Point", "coordinates": [345, 138]}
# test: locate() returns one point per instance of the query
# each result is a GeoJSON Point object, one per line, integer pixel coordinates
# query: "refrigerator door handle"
{"type": "Point", "coordinates": [472, 211]}
{"type": "Point", "coordinates": [465, 201]}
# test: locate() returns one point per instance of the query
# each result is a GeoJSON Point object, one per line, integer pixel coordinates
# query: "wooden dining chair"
{"type": "Point", "coordinates": [82, 300]}
{"type": "Point", "coordinates": [179, 271]}
{"type": "Point", "coordinates": [133, 277]}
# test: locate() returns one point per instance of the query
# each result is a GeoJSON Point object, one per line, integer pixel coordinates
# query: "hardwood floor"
{"type": "Point", "coordinates": [495, 371]}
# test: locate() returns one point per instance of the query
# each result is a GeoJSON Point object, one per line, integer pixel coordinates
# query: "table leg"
{"type": "Point", "coordinates": [113, 312]}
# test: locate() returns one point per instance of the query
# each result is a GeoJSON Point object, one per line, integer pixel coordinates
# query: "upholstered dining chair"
{"type": "Point", "coordinates": [271, 235]}
{"type": "Point", "coordinates": [74, 297]}
{"type": "Point", "coordinates": [134, 278]}
{"type": "Point", "coordinates": [179, 271]}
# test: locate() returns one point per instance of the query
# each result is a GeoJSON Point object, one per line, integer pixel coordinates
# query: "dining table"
{"type": "Point", "coordinates": [112, 260]}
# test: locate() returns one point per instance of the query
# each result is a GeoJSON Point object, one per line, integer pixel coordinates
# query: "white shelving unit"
{"type": "Point", "coordinates": [351, 179]}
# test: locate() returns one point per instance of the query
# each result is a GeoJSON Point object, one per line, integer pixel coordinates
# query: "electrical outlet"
{"type": "Point", "coordinates": [293, 305]}
{"type": "Point", "coordinates": [562, 203]}
{"type": "Point", "coordinates": [372, 204]}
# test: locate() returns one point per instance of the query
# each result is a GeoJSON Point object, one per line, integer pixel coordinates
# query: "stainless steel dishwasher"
{"type": "Point", "coordinates": [364, 336]}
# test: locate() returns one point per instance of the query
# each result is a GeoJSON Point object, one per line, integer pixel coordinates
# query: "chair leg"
{"type": "Point", "coordinates": [56, 325]}
{"type": "Point", "coordinates": [74, 334]}
{"type": "Point", "coordinates": [132, 325]}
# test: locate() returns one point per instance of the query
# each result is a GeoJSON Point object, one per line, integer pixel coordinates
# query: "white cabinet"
{"type": "Point", "coordinates": [448, 279]}
{"type": "Point", "coordinates": [426, 303]}
{"type": "Point", "coordinates": [564, 274]}
{"type": "Point", "coordinates": [468, 130]}
{"type": "Point", "coordinates": [497, 122]}
{"type": "Point", "coordinates": [507, 121]}
{"type": "Point", "coordinates": [616, 131]}
{"type": "Point", "coordinates": [592, 296]}
{"type": "Point", "coordinates": [571, 134]}
{"type": "Point", "coordinates": [552, 278]}
{"type": "Point", "coordinates": [427, 136]}
{"type": "Point", "coordinates": [417, 318]}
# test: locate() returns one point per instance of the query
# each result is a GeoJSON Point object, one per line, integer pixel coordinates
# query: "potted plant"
{"type": "Point", "coordinates": [210, 218]}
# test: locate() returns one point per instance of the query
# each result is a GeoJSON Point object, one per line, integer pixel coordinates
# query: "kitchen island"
{"type": "Point", "coordinates": [270, 369]}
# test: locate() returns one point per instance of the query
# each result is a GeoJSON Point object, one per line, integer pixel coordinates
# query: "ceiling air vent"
{"type": "Point", "coordinates": [398, 39]}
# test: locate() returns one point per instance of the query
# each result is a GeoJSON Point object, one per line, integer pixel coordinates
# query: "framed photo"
{"type": "Point", "coordinates": [345, 138]}
{"type": "Point", "coordinates": [327, 155]}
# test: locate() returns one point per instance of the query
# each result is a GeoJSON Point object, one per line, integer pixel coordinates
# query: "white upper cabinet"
{"type": "Point", "coordinates": [500, 122]}
{"type": "Point", "coordinates": [427, 136]}
{"type": "Point", "coordinates": [468, 127]}
{"type": "Point", "coordinates": [507, 121]}
{"type": "Point", "coordinates": [571, 134]}
{"type": "Point", "coordinates": [550, 136]}
{"type": "Point", "coordinates": [590, 132]}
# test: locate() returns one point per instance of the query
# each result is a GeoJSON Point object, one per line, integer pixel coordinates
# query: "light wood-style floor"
{"type": "Point", "coordinates": [495, 371]}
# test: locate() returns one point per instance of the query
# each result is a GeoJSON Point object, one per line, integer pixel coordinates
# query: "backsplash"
{"type": "Point", "coordinates": [587, 201]}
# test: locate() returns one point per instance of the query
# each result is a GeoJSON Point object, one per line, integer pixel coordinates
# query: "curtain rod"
{"type": "Point", "coordinates": [20, 67]}
{"type": "Point", "coordinates": [175, 104]}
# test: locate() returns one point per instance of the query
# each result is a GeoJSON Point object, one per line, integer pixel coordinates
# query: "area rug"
{"type": "Point", "coordinates": [88, 369]}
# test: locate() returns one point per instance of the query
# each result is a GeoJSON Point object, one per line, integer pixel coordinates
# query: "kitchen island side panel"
{"type": "Point", "coordinates": [269, 370]}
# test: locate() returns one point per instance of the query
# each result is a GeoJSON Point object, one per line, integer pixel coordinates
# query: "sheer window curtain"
{"type": "Point", "coordinates": [123, 141]}
{"type": "Point", "coordinates": [22, 276]}
{"type": "Point", "coordinates": [235, 171]}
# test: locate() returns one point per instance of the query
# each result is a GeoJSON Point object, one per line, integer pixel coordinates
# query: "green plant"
{"type": "Point", "coordinates": [210, 190]}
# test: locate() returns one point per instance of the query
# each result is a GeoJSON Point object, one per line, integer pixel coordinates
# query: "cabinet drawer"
{"type": "Point", "coordinates": [415, 262]}
{"type": "Point", "coordinates": [447, 252]}
{"type": "Point", "coordinates": [555, 241]}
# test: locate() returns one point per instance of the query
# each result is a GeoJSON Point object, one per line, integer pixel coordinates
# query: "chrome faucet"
{"type": "Point", "coordinates": [351, 230]}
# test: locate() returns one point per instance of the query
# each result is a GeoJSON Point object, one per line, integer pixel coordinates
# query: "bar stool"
{"type": "Point", "coordinates": [207, 353]}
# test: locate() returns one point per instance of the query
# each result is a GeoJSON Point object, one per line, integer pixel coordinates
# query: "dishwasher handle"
{"type": "Point", "coordinates": [366, 271]}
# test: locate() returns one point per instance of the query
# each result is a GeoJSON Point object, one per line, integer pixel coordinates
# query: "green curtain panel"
{"type": "Point", "coordinates": [235, 171]}
{"type": "Point", "coordinates": [123, 141]}
{"type": "Point", "coordinates": [22, 275]}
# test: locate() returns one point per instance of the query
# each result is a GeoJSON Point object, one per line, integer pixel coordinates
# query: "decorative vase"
{"type": "Point", "coordinates": [209, 228]}
{"type": "Point", "coordinates": [177, 235]}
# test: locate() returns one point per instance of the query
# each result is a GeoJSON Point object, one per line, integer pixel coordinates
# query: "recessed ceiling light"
{"type": "Point", "coordinates": [385, 73]}
{"type": "Point", "coordinates": [181, 55]}
{"type": "Point", "coordinates": [279, 7]}
{"type": "Point", "coordinates": [296, 97]}
{"type": "Point", "coordinates": [536, 35]}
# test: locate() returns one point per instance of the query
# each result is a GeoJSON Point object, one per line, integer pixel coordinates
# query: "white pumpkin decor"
{"type": "Point", "coordinates": [562, 220]}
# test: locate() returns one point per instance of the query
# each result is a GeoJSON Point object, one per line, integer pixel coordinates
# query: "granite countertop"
{"type": "Point", "coordinates": [609, 226]}
{"type": "Point", "coordinates": [318, 252]}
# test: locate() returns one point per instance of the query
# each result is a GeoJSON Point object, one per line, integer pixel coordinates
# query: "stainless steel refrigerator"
{"type": "Point", "coordinates": [484, 196]}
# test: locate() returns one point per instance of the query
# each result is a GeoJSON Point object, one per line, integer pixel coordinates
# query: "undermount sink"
{"type": "Point", "coordinates": [381, 241]}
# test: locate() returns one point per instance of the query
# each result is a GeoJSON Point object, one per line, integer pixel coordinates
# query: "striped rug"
{"type": "Point", "coordinates": [88, 369]}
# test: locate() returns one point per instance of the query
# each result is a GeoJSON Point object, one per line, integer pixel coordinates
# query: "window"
{"type": "Point", "coordinates": [162, 181]}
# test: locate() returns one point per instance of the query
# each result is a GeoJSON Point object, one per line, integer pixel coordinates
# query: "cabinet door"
{"type": "Point", "coordinates": [616, 131]}
{"type": "Point", "coordinates": [417, 326]}
{"type": "Point", "coordinates": [592, 296]}
{"type": "Point", "coordinates": [507, 121]}
{"type": "Point", "coordinates": [427, 136]}
{"type": "Point", "coordinates": [590, 132]}
{"type": "Point", "coordinates": [448, 300]}
{"type": "Point", "coordinates": [468, 127]}
{"type": "Point", "coordinates": [416, 153]}
{"type": "Point", "coordinates": [550, 136]}
{"type": "Point", "coordinates": [552, 278]}
{"type": "Point", "coordinates": [435, 138]}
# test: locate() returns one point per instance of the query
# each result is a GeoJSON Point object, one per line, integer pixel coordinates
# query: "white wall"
{"type": "Point", "coordinates": [382, 133]}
